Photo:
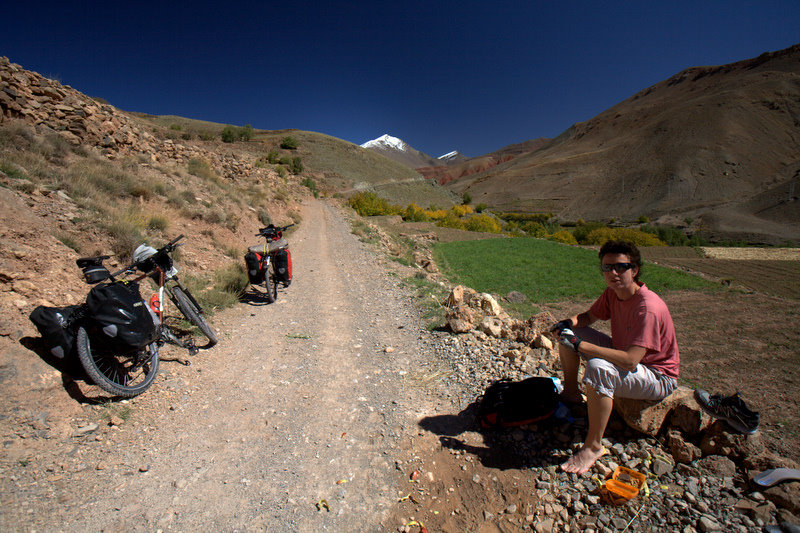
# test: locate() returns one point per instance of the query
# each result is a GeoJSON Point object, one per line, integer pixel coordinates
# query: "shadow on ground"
{"type": "Point", "coordinates": [531, 446]}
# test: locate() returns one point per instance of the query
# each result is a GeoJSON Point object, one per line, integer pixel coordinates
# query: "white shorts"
{"type": "Point", "coordinates": [609, 380]}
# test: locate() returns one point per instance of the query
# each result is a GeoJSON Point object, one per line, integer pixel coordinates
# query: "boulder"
{"type": "Point", "coordinates": [543, 342]}
{"type": "Point", "coordinates": [688, 416]}
{"type": "Point", "coordinates": [682, 451]}
{"type": "Point", "coordinates": [766, 461]}
{"type": "Point", "coordinates": [459, 319]}
{"type": "Point", "coordinates": [651, 417]}
{"type": "Point", "coordinates": [756, 510]}
{"type": "Point", "coordinates": [515, 297]}
{"type": "Point", "coordinates": [785, 496]}
{"type": "Point", "coordinates": [486, 303]}
{"type": "Point", "coordinates": [491, 326]}
{"type": "Point", "coordinates": [717, 465]}
{"type": "Point", "coordinates": [460, 295]}
{"type": "Point", "coordinates": [542, 322]}
{"type": "Point", "coordinates": [718, 440]}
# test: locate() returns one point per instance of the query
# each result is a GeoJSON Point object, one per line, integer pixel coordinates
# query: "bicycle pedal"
{"type": "Point", "coordinates": [189, 345]}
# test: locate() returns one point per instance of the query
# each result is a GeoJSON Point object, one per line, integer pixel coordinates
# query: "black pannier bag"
{"type": "Point", "coordinates": [283, 265]}
{"type": "Point", "coordinates": [254, 272]}
{"type": "Point", "coordinates": [55, 326]}
{"type": "Point", "coordinates": [508, 403]}
{"type": "Point", "coordinates": [118, 309]}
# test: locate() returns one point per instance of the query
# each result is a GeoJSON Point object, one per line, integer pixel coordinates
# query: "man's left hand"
{"type": "Point", "coordinates": [569, 339]}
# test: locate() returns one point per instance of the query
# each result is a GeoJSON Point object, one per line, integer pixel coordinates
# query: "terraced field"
{"type": "Point", "coordinates": [757, 269]}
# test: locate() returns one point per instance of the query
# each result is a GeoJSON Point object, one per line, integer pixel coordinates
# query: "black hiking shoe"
{"type": "Point", "coordinates": [731, 409]}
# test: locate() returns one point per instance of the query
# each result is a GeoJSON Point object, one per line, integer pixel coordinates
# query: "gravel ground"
{"type": "Point", "coordinates": [333, 409]}
{"type": "Point", "coordinates": [290, 424]}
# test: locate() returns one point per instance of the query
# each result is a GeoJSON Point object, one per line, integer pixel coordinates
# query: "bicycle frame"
{"type": "Point", "coordinates": [267, 261]}
{"type": "Point", "coordinates": [166, 331]}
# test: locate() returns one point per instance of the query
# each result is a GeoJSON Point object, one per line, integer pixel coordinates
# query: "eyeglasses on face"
{"type": "Point", "coordinates": [617, 267]}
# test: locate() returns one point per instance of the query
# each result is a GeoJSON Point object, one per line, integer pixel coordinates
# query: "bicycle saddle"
{"type": "Point", "coordinates": [84, 262]}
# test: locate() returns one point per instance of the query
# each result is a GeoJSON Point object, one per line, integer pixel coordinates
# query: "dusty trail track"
{"type": "Point", "coordinates": [299, 402]}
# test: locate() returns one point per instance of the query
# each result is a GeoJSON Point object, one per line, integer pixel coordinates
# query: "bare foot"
{"type": "Point", "coordinates": [582, 461]}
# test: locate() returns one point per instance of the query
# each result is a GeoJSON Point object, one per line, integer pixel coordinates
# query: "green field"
{"type": "Point", "coordinates": [544, 271]}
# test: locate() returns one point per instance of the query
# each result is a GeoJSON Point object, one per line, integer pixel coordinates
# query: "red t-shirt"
{"type": "Point", "coordinates": [643, 320]}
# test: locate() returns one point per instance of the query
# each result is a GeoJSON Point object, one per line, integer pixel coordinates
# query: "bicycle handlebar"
{"type": "Point", "coordinates": [269, 231]}
{"type": "Point", "coordinates": [166, 249]}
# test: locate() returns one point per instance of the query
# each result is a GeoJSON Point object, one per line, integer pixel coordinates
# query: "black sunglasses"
{"type": "Point", "coordinates": [618, 267]}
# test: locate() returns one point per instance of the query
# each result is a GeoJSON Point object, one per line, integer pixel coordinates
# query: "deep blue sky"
{"type": "Point", "coordinates": [466, 75]}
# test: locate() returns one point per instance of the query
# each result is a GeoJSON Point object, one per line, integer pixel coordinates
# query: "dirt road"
{"type": "Point", "coordinates": [303, 400]}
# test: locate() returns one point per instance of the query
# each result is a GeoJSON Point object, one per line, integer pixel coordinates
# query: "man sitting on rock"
{"type": "Point", "coordinates": [640, 360]}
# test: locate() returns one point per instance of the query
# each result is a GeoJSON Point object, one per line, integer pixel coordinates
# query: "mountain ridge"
{"type": "Point", "coordinates": [719, 144]}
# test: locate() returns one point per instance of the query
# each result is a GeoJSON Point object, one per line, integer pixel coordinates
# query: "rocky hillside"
{"type": "Point", "coordinates": [473, 165]}
{"type": "Point", "coordinates": [716, 144]}
{"type": "Point", "coordinates": [80, 177]}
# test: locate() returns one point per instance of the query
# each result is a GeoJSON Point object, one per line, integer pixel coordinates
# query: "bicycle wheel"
{"type": "Point", "coordinates": [124, 375]}
{"type": "Point", "coordinates": [269, 285]}
{"type": "Point", "coordinates": [193, 315]}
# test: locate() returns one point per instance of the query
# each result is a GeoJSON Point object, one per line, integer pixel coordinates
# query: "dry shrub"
{"type": "Point", "coordinates": [126, 227]}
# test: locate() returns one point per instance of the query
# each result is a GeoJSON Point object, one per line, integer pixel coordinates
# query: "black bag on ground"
{"type": "Point", "coordinates": [254, 272]}
{"type": "Point", "coordinates": [55, 326]}
{"type": "Point", "coordinates": [121, 314]}
{"type": "Point", "coordinates": [507, 403]}
{"type": "Point", "coordinates": [283, 265]}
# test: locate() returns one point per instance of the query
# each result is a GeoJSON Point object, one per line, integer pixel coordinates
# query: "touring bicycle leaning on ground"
{"type": "Point", "coordinates": [115, 333]}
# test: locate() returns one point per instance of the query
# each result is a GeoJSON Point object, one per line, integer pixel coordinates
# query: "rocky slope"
{"type": "Point", "coordinates": [473, 165]}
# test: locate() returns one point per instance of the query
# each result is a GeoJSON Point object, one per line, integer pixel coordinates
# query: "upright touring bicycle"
{"type": "Point", "coordinates": [274, 252]}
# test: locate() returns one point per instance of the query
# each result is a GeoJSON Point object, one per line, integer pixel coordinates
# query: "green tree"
{"type": "Point", "coordinates": [228, 134]}
{"type": "Point", "coordinates": [289, 143]}
{"type": "Point", "coordinates": [466, 198]}
{"type": "Point", "coordinates": [296, 166]}
{"type": "Point", "coordinates": [246, 132]}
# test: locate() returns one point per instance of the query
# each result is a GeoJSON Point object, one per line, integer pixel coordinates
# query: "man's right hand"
{"type": "Point", "coordinates": [561, 325]}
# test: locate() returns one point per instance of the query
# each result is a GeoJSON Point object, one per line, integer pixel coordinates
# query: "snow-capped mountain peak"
{"type": "Point", "coordinates": [387, 141]}
{"type": "Point", "coordinates": [400, 152]}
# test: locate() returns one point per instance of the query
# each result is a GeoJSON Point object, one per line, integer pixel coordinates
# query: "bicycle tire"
{"type": "Point", "coordinates": [269, 285]}
{"type": "Point", "coordinates": [193, 315]}
{"type": "Point", "coordinates": [118, 374]}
